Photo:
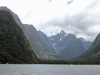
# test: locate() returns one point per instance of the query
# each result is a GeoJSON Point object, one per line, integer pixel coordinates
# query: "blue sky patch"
{"type": "Point", "coordinates": [49, 0]}
{"type": "Point", "coordinates": [69, 2]}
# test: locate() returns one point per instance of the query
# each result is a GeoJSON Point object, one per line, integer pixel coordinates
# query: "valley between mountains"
{"type": "Point", "coordinates": [24, 44]}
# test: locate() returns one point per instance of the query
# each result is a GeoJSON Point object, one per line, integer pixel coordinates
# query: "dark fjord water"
{"type": "Point", "coordinates": [11, 69]}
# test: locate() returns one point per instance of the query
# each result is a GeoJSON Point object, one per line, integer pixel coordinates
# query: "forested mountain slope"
{"type": "Point", "coordinates": [14, 47]}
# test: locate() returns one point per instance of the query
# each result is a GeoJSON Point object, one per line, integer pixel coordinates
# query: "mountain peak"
{"type": "Point", "coordinates": [82, 39]}
{"type": "Point", "coordinates": [62, 32]}
{"type": "Point", "coordinates": [4, 8]}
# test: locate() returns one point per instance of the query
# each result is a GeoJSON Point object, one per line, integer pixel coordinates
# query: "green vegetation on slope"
{"type": "Point", "coordinates": [14, 47]}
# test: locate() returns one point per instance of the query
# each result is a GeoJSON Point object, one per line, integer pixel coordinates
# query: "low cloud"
{"type": "Point", "coordinates": [81, 17]}
{"type": "Point", "coordinates": [83, 24]}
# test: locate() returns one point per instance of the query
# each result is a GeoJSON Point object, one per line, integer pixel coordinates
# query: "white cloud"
{"type": "Point", "coordinates": [50, 30]}
{"type": "Point", "coordinates": [94, 29]}
{"type": "Point", "coordinates": [81, 15]}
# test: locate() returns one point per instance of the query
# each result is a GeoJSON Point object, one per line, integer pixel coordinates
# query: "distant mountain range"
{"type": "Point", "coordinates": [66, 45]}
{"type": "Point", "coordinates": [40, 48]}
{"type": "Point", "coordinates": [22, 43]}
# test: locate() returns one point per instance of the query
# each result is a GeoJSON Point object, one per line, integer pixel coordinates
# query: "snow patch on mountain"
{"type": "Point", "coordinates": [54, 46]}
{"type": "Point", "coordinates": [83, 40]}
{"type": "Point", "coordinates": [61, 38]}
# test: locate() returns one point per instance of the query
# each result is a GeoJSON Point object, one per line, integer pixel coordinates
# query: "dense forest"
{"type": "Point", "coordinates": [14, 47]}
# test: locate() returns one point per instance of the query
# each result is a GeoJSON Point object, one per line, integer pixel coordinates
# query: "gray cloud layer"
{"type": "Point", "coordinates": [84, 24]}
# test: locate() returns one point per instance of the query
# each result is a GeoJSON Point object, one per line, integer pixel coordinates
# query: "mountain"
{"type": "Point", "coordinates": [55, 42]}
{"type": "Point", "coordinates": [66, 45]}
{"type": "Point", "coordinates": [73, 49]}
{"type": "Point", "coordinates": [45, 39]}
{"type": "Point", "coordinates": [41, 49]}
{"type": "Point", "coordinates": [60, 40]}
{"type": "Point", "coordinates": [93, 52]}
{"type": "Point", "coordinates": [14, 47]}
{"type": "Point", "coordinates": [15, 16]}
{"type": "Point", "coordinates": [86, 44]}
{"type": "Point", "coordinates": [49, 47]}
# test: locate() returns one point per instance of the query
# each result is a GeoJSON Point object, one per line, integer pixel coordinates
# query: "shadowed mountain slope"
{"type": "Point", "coordinates": [31, 34]}
{"type": "Point", "coordinates": [14, 47]}
{"type": "Point", "coordinates": [41, 49]}
{"type": "Point", "coordinates": [93, 53]}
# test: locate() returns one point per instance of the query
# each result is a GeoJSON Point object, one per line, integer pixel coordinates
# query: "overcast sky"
{"type": "Point", "coordinates": [79, 17]}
